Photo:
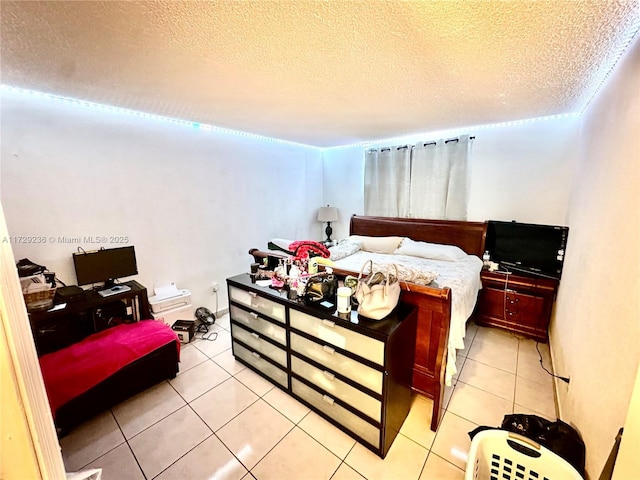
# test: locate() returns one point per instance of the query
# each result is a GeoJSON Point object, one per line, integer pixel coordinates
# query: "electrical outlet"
{"type": "Point", "coordinates": [215, 287]}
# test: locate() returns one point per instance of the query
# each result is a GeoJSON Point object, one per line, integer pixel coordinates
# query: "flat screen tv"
{"type": "Point", "coordinates": [528, 248]}
{"type": "Point", "coordinates": [105, 265]}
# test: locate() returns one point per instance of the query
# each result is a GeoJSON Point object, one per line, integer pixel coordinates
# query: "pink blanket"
{"type": "Point", "coordinates": [72, 371]}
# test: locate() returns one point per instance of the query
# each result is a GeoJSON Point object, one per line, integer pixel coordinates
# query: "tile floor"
{"type": "Point", "coordinates": [218, 419]}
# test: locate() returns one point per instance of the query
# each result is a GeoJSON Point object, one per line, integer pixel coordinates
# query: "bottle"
{"type": "Point", "coordinates": [486, 258]}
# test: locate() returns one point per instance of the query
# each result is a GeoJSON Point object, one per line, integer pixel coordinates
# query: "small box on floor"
{"type": "Point", "coordinates": [185, 329]}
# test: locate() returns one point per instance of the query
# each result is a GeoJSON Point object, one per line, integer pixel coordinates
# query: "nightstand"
{"type": "Point", "coordinates": [516, 302]}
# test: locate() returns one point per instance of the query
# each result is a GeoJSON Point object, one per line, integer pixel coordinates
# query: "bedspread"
{"type": "Point", "coordinates": [72, 371]}
{"type": "Point", "coordinates": [462, 277]}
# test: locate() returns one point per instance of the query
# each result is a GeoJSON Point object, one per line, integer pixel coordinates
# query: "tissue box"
{"type": "Point", "coordinates": [185, 329]}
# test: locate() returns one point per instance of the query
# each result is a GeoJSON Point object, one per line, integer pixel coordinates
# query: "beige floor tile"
{"type": "Point", "coordinates": [295, 457]}
{"type": "Point", "coordinates": [405, 459]}
{"type": "Point", "coordinates": [338, 442]}
{"type": "Point", "coordinates": [286, 405]}
{"type": "Point", "coordinates": [224, 321]}
{"type": "Point", "coordinates": [532, 370]}
{"type": "Point", "coordinates": [200, 379]}
{"type": "Point", "coordinates": [217, 346]}
{"type": "Point", "coordinates": [488, 378]}
{"type": "Point", "coordinates": [459, 364]}
{"type": "Point", "coordinates": [438, 468]}
{"type": "Point", "coordinates": [448, 393]}
{"type": "Point", "coordinates": [254, 382]}
{"type": "Point", "coordinates": [254, 432]}
{"type": "Point", "coordinates": [345, 472]}
{"type": "Point", "coordinates": [527, 348]}
{"type": "Point", "coordinates": [147, 408]}
{"type": "Point", "coordinates": [536, 396]}
{"type": "Point", "coordinates": [209, 460]}
{"type": "Point", "coordinates": [118, 464]}
{"type": "Point", "coordinates": [90, 440]}
{"type": "Point", "coordinates": [227, 361]}
{"type": "Point", "coordinates": [452, 441]}
{"type": "Point", "coordinates": [165, 442]}
{"type": "Point", "coordinates": [417, 424]}
{"type": "Point", "coordinates": [190, 356]}
{"type": "Point", "coordinates": [497, 336]}
{"type": "Point", "coordinates": [478, 406]}
{"type": "Point", "coordinates": [222, 403]}
{"type": "Point", "coordinates": [499, 355]}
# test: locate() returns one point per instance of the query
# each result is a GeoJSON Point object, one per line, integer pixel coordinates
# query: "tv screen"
{"type": "Point", "coordinates": [528, 248]}
{"type": "Point", "coordinates": [105, 265]}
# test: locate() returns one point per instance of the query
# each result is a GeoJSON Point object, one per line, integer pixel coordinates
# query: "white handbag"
{"type": "Point", "coordinates": [377, 294]}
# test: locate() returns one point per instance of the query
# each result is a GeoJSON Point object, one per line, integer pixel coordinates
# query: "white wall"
{"type": "Point", "coordinates": [192, 202]}
{"type": "Point", "coordinates": [595, 336]}
{"type": "Point", "coordinates": [517, 172]}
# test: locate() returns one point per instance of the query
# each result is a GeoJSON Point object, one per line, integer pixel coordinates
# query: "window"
{"type": "Point", "coordinates": [426, 180]}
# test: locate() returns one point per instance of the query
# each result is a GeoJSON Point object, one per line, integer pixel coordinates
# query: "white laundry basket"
{"type": "Point", "coordinates": [502, 455]}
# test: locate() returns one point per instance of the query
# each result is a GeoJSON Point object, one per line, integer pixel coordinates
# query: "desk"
{"type": "Point", "coordinates": [53, 330]}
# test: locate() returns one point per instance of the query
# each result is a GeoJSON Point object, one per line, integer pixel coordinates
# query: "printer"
{"type": "Point", "coordinates": [170, 304]}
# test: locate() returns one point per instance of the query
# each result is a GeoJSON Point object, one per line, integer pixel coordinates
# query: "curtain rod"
{"type": "Point", "coordinates": [382, 149]}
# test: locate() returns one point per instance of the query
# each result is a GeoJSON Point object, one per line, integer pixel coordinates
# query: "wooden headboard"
{"type": "Point", "coordinates": [469, 236]}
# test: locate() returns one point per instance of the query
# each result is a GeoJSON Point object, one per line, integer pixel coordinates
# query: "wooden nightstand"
{"type": "Point", "coordinates": [518, 303]}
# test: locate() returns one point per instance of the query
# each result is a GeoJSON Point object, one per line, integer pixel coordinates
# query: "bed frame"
{"type": "Point", "coordinates": [433, 304]}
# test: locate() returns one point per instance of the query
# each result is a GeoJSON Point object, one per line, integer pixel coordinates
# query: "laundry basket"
{"type": "Point", "coordinates": [502, 455]}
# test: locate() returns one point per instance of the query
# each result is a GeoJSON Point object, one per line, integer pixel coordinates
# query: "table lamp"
{"type": "Point", "coordinates": [328, 214]}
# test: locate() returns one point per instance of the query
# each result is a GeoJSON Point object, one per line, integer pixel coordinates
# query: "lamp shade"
{"type": "Point", "coordinates": [327, 214]}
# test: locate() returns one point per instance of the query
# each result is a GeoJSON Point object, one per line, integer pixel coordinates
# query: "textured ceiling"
{"type": "Point", "coordinates": [322, 73]}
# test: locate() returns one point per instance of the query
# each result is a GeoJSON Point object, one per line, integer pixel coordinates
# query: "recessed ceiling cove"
{"type": "Point", "coordinates": [322, 73]}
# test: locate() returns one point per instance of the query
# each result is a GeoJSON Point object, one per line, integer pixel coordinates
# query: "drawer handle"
{"type": "Point", "coordinates": [328, 399]}
{"type": "Point", "coordinates": [328, 349]}
{"type": "Point", "coordinates": [328, 323]}
{"type": "Point", "coordinates": [329, 375]}
{"type": "Point", "coordinates": [253, 294]}
{"type": "Point", "coordinates": [256, 354]}
{"type": "Point", "coordinates": [254, 315]}
{"type": "Point", "coordinates": [255, 335]}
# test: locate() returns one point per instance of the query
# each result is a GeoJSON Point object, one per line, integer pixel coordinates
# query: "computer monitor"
{"type": "Point", "coordinates": [105, 265]}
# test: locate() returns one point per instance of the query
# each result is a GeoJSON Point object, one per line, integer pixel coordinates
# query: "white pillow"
{"type": "Point", "coordinates": [343, 249]}
{"type": "Point", "coordinates": [434, 251]}
{"type": "Point", "coordinates": [377, 244]}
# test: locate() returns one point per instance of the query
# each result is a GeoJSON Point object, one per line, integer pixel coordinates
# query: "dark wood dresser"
{"type": "Point", "coordinates": [354, 372]}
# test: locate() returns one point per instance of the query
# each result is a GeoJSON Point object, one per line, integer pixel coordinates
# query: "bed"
{"type": "Point", "coordinates": [434, 302]}
{"type": "Point", "coordinates": [106, 368]}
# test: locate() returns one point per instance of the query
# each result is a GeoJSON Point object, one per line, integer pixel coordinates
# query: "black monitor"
{"type": "Point", "coordinates": [105, 265]}
{"type": "Point", "coordinates": [528, 248]}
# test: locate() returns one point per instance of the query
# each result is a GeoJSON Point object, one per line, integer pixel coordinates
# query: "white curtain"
{"type": "Point", "coordinates": [439, 180]}
{"type": "Point", "coordinates": [387, 174]}
{"type": "Point", "coordinates": [427, 180]}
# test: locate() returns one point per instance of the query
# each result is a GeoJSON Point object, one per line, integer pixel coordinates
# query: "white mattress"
{"type": "Point", "coordinates": [462, 277]}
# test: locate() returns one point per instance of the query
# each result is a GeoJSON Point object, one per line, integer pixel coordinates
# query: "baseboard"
{"type": "Point", "coordinates": [556, 396]}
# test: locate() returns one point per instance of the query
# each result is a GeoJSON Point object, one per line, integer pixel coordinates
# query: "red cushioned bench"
{"type": "Point", "coordinates": [106, 368]}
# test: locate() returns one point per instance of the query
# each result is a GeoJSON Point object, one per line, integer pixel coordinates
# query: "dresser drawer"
{"type": "Point", "coordinates": [264, 327]}
{"type": "Point", "coordinates": [325, 355]}
{"type": "Point", "coordinates": [341, 415]}
{"type": "Point", "coordinates": [525, 309]}
{"type": "Point", "coordinates": [259, 363]}
{"type": "Point", "coordinates": [259, 304]}
{"type": "Point", "coordinates": [328, 332]}
{"type": "Point", "coordinates": [327, 381]}
{"type": "Point", "coordinates": [261, 346]}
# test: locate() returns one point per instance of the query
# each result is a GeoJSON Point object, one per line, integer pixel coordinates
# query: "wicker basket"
{"type": "Point", "coordinates": [498, 454]}
{"type": "Point", "coordinates": [40, 300]}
